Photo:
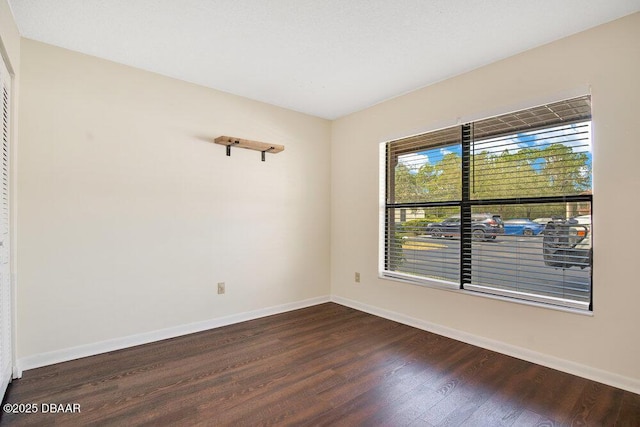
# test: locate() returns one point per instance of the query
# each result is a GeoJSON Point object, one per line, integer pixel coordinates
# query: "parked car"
{"type": "Point", "coordinates": [543, 221]}
{"type": "Point", "coordinates": [483, 227]}
{"type": "Point", "coordinates": [522, 227]}
{"type": "Point", "coordinates": [567, 243]}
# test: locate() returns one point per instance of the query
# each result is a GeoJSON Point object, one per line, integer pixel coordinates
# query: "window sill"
{"type": "Point", "coordinates": [454, 287]}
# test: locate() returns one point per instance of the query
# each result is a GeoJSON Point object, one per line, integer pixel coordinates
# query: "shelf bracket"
{"type": "Point", "coordinates": [229, 147]}
{"type": "Point", "coordinates": [266, 151]}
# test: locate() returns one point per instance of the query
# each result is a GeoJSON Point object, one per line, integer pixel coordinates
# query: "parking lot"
{"type": "Point", "coordinates": [501, 263]}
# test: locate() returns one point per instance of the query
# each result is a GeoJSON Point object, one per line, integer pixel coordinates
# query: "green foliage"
{"type": "Point", "coordinates": [560, 171]}
{"type": "Point", "coordinates": [397, 256]}
{"type": "Point", "coordinates": [543, 171]}
{"type": "Point", "coordinates": [441, 181]}
{"type": "Point", "coordinates": [406, 189]}
{"type": "Point", "coordinates": [415, 226]}
{"type": "Point", "coordinates": [549, 210]}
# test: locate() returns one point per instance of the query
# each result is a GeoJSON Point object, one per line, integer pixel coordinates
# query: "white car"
{"type": "Point", "coordinates": [567, 242]}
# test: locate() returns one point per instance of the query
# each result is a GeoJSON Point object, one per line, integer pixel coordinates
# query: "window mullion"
{"type": "Point", "coordinates": [390, 190]}
{"type": "Point", "coordinates": [465, 207]}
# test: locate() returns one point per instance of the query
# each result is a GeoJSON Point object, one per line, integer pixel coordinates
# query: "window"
{"type": "Point", "coordinates": [500, 206]}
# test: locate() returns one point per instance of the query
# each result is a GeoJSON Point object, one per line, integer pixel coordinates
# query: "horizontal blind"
{"type": "Point", "coordinates": [425, 168]}
{"type": "Point", "coordinates": [540, 152]}
{"type": "Point", "coordinates": [413, 252]}
{"type": "Point", "coordinates": [514, 265]}
{"type": "Point", "coordinates": [530, 167]}
{"type": "Point", "coordinates": [423, 186]}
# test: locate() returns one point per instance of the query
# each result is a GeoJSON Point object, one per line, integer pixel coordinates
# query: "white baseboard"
{"type": "Point", "coordinates": [605, 377]}
{"type": "Point", "coordinates": [65, 355]}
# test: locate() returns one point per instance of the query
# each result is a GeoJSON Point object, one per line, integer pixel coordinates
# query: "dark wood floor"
{"type": "Point", "coordinates": [323, 365]}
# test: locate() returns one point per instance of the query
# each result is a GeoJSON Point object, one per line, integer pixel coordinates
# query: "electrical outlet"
{"type": "Point", "coordinates": [357, 277]}
{"type": "Point", "coordinates": [220, 288]}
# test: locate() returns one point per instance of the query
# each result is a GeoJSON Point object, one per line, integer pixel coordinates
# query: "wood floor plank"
{"type": "Point", "coordinates": [326, 365]}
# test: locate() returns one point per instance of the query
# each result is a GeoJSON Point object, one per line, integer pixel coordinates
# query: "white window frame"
{"type": "Point", "coordinates": [531, 299]}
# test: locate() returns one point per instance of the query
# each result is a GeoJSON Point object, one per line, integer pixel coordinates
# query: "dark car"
{"type": "Point", "coordinates": [483, 227]}
{"type": "Point", "coordinates": [522, 227]}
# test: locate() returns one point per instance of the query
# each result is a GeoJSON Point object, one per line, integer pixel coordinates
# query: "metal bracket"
{"type": "Point", "coordinates": [229, 147]}
{"type": "Point", "coordinates": [266, 151]}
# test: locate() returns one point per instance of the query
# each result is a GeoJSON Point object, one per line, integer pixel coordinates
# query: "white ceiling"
{"type": "Point", "coordinates": [327, 58]}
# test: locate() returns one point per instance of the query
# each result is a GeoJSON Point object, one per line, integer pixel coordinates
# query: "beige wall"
{"type": "Point", "coordinates": [607, 59]}
{"type": "Point", "coordinates": [129, 215]}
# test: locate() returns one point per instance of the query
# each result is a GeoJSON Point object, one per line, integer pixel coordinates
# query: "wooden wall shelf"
{"type": "Point", "coordinates": [263, 147]}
